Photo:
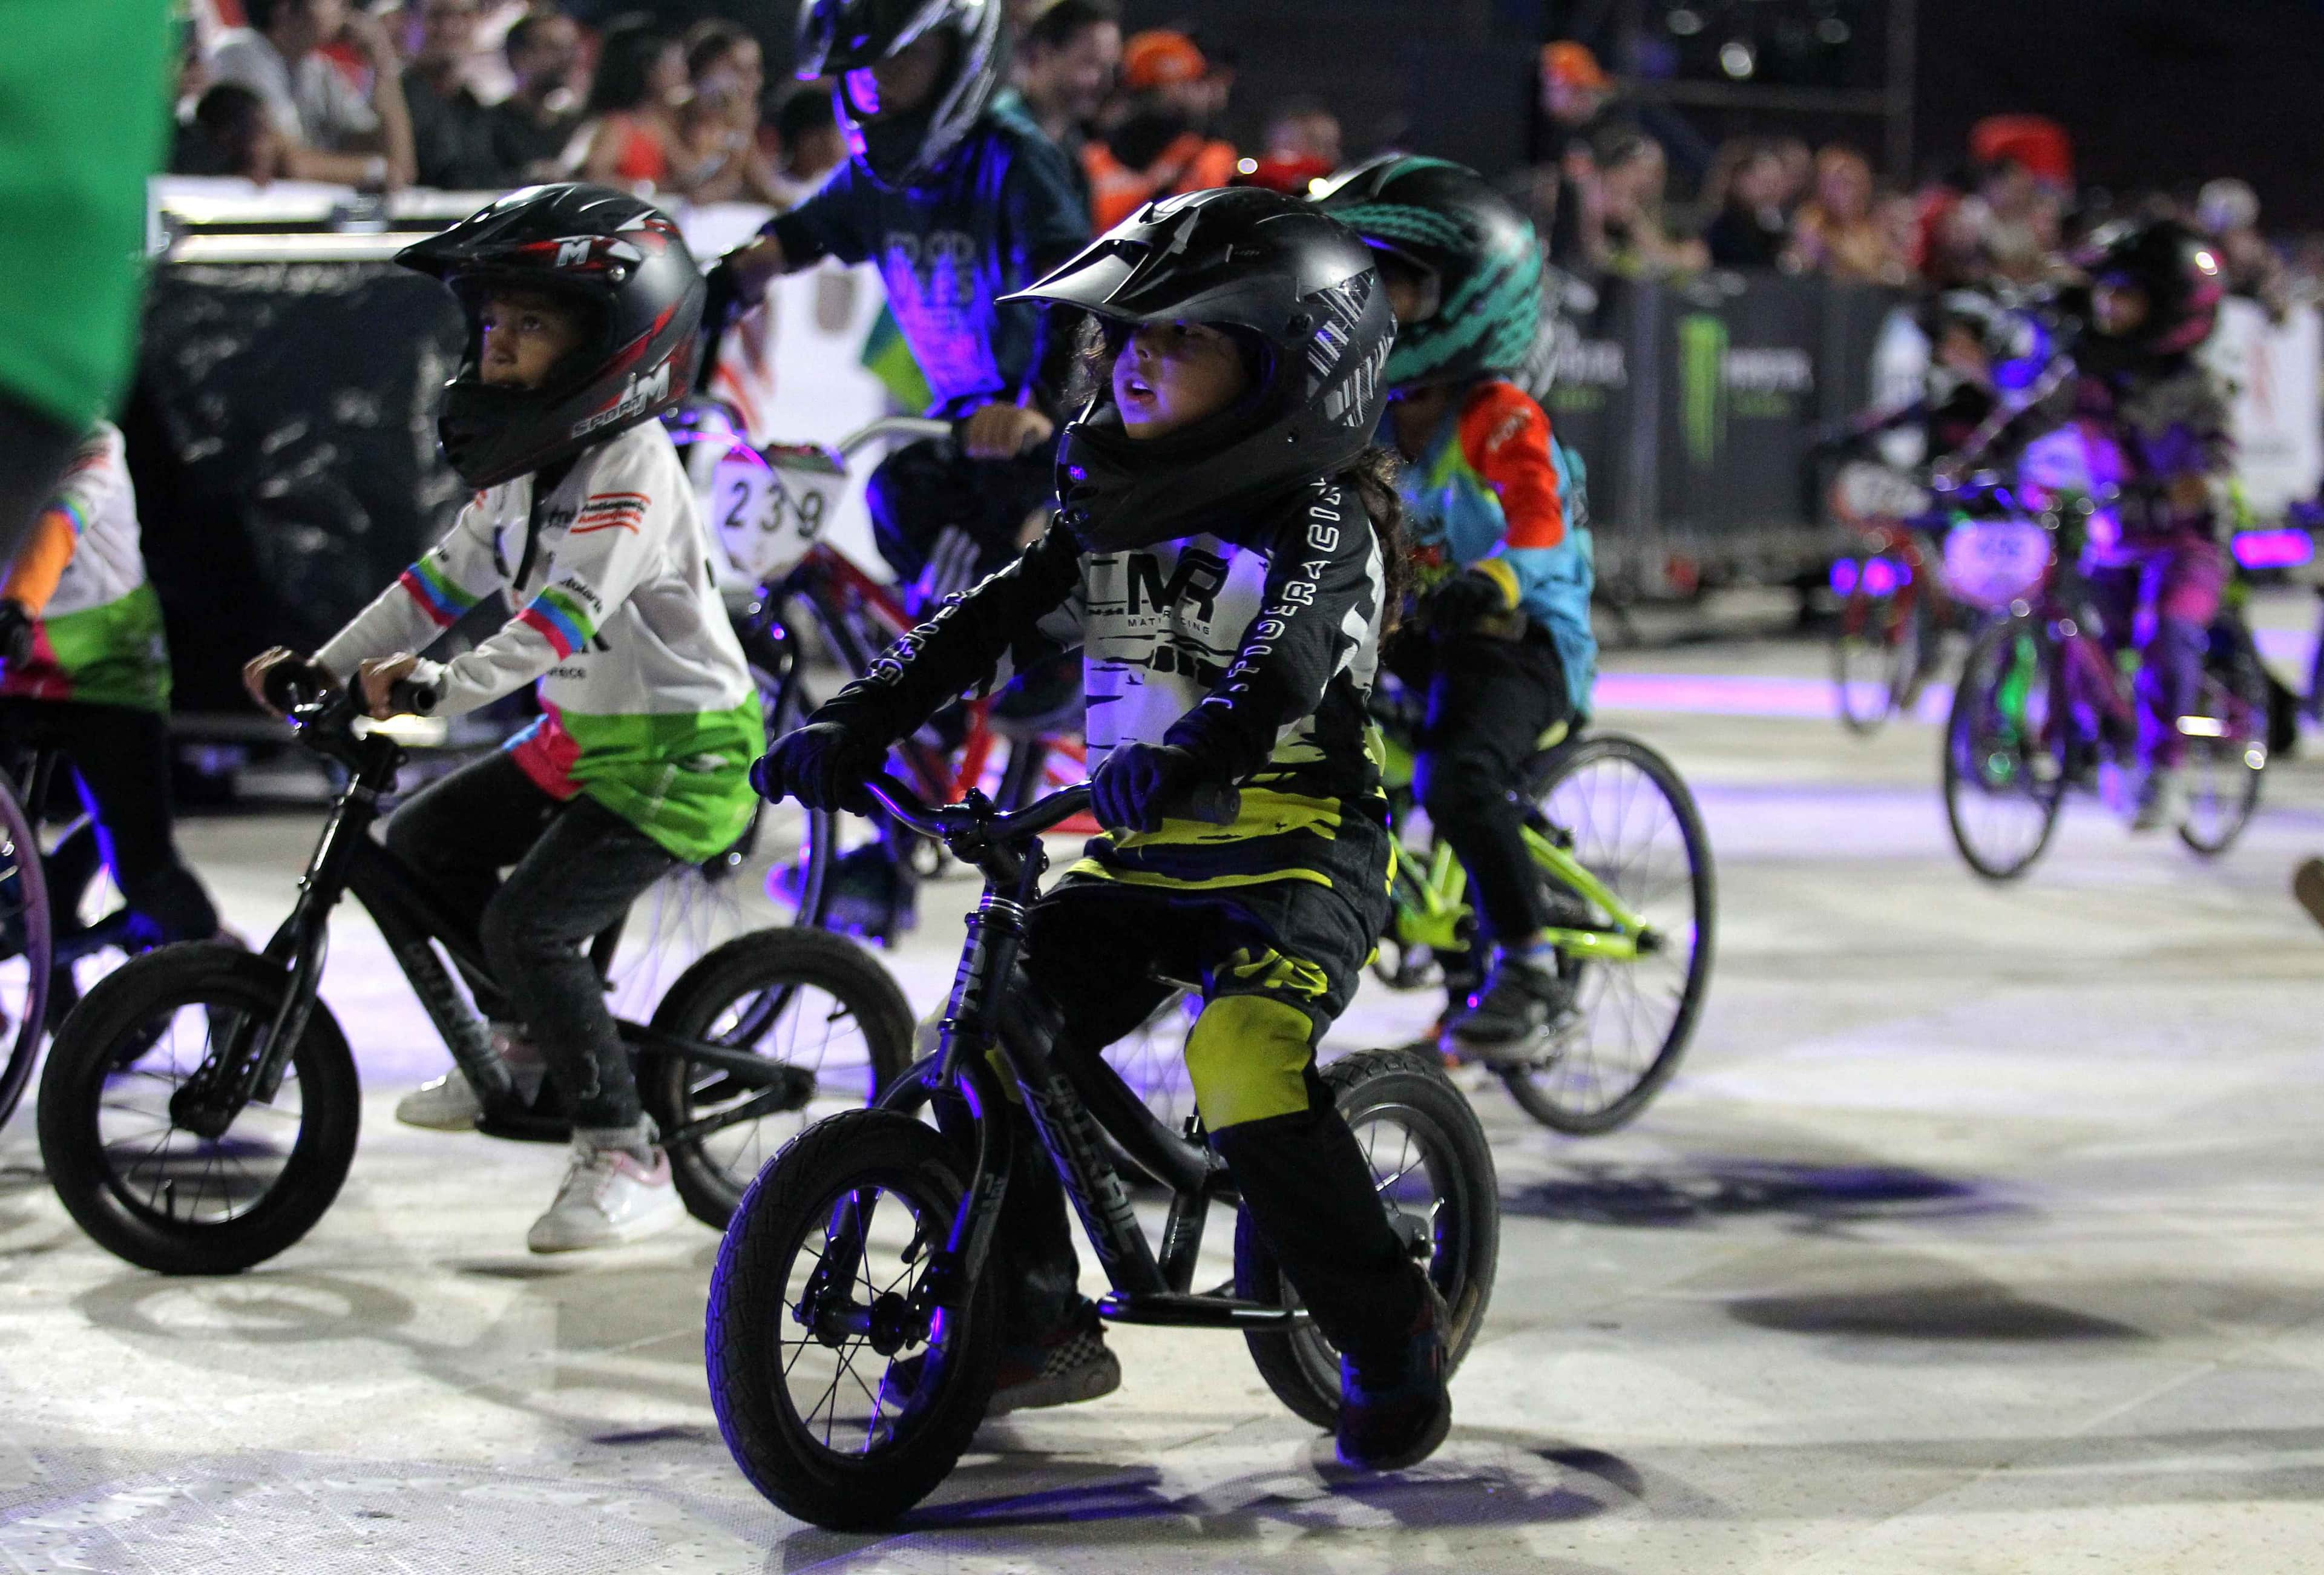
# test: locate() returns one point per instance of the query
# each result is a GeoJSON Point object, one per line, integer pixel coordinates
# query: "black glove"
{"type": "Point", "coordinates": [1455, 607]}
{"type": "Point", "coordinates": [823, 765]}
{"type": "Point", "coordinates": [1139, 782]}
{"type": "Point", "coordinates": [15, 632]}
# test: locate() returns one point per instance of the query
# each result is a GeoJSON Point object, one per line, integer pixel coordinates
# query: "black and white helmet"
{"type": "Point", "coordinates": [616, 258]}
{"type": "Point", "coordinates": [1295, 289]}
{"type": "Point", "coordinates": [839, 38]}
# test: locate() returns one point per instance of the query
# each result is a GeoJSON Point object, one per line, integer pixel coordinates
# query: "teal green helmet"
{"type": "Point", "coordinates": [1477, 253]}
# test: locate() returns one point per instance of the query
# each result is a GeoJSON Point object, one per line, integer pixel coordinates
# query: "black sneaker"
{"type": "Point", "coordinates": [1521, 996]}
{"type": "Point", "coordinates": [869, 896]}
{"type": "Point", "coordinates": [1394, 1407]}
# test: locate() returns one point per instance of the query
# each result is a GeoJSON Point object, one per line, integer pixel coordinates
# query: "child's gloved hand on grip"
{"type": "Point", "coordinates": [823, 765]}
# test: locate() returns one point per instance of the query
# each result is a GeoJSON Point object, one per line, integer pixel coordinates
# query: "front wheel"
{"type": "Point", "coordinates": [146, 1187]}
{"type": "Point", "coordinates": [1432, 1170]}
{"type": "Point", "coordinates": [808, 999]}
{"type": "Point", "coordinates": [1625, 815]}
{"type": "Point", "coordinates": [26, 958]}
{"type": "Point", "coordinates": [2004, 765]}
{"type": "Point", "coordinates": [842, 1401]}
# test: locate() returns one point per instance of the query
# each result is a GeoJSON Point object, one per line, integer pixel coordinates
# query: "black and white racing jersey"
{"type": "Point", "coordinates": [1253, 648]}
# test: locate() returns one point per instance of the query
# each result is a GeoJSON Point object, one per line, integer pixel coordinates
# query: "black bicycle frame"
{"type": "Point", "coordinates": [1073, 1102]}
{"type": "Point", "coordinates": [414, 921]}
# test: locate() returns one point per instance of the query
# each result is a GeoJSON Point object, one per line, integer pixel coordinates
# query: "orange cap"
{"type": "Point", "coordinates": [1158, 58]}
{"type": "Point", "coordinates": [1572, 65]}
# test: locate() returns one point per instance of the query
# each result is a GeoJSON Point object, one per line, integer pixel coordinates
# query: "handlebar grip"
{"type": "Point", "coordinates": [721, 295]}
{"type": "Point", "coordinates": [297, 682]}
{"type": "Point", "coordinates": [1211, 802]}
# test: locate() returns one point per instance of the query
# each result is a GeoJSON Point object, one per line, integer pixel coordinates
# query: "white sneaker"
{"type": "Point", "coordinates": [608, 1198]}
{"type": "Point", "coordinates": [447, 1104]}
{"type": "Point", "coordinates": [450, 1103]}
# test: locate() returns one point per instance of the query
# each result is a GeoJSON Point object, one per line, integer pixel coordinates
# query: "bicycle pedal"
{"type": "Point", "coordinates": [522, 1125]}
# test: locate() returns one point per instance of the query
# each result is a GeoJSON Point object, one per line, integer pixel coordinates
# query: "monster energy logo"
{"type": "Point", "coordinates": [1702, 385]}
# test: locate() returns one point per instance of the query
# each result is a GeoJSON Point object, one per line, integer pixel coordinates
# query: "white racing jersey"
{"type": "Point", "coordinates": [648, 704]}
{"type": "Point", "coordinates": [81, 574]}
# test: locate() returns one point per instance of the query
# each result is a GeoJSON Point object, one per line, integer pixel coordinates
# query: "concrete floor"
{"type": "Point", "coordinates": [1983, 1231]}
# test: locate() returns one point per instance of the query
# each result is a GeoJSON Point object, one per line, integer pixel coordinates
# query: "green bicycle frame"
{"type": "Point", "coordinates": [1429, 910]}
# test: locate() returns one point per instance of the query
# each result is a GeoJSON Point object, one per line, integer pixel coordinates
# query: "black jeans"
{"type": "Point", "coordinates": [121, 757]}
{"type": "Point", "coordinates": [1093, 951]}
{"type": "Point", "coordinates": [1489, 701]}
{"type": "Point", "coordinates": [577, 867]}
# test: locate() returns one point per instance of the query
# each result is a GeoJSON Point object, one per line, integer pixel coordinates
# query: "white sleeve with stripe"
{"type": "Point", "coordinates": [427, 599]}
{"type": "Point", "coordinates": [614, 542]}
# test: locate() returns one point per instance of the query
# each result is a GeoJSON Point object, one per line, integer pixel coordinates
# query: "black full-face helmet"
{"type": "Point", "coordinates": [1294, 288]}
{"type": "Point", "coordinates": [2176, 267]}
{"type": "Point", "coordinates": [1475, 253]}
{"type": "Point", "coordinates": [837, 37]}
{"type": "Point", "coordinates": [618, 261]}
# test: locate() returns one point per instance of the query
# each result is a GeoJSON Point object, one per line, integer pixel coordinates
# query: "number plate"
{"type": "Point", "coordinates": [768, 508]}
{"type": "Point", "coordinates": [1991, 563]}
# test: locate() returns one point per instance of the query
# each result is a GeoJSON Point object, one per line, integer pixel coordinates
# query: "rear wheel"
{"type": "Point", "coordinates": [840, 1400]}
{"type": "Point", "coordinates": [1625, 815]}
{"type": "Point", "coordinates": [143, 1184]}
{"type": "Point", "coordinates": [807, 999]}
{"type": "Point", "coordinates": [2224, 768]}
{"type": "Point", "coordinates": [1875, 648]}
{"type": "Point", "coordinates": [1434, 1173]}
{"type": "Point", "coordinates": [2004, 769]}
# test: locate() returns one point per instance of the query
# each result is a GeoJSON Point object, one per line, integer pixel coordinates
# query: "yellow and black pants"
{"type": "Point", "coordinates": [1277, 961]}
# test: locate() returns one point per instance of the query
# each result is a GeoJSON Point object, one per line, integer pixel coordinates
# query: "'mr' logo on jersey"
{"type": "Point", "coordinates": [1197, 578]}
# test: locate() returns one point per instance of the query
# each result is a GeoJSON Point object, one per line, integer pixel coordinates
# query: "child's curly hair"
{"type": "Point", "coordinates": [1372, 477]}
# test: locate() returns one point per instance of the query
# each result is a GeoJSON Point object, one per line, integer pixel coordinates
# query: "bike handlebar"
{"type": "Point", "coordinates": [1215, 804]}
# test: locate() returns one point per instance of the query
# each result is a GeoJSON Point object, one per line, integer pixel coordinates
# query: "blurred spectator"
{"type": "Point", "coordinates": [330, 131]}
{"type": "Point", "coordinates": [1750, 229]}
{"type": "Point", "coordinates": [2017, 216]}
{"type": "Point", "coordinates": [812, 143]}
{"type": "Point", "coordinates": [230, 134]}
{"type": "Point", "coordinates": [2228, 212]}
{"type": "Point", "coordinates": [1576, 101]}
{"type": "Point", "coordinates": [1632, 240]}
{"type": "Point", "coordinates": [1160, 146]}
{"type": "Point", "coordinates": [1837, 232]}
{"type": "Point", "coordinates": [631, 116]}
{"type": "Point", "coordinates": [1304, 128]}
{"type": "Point", "coordinates": [1065, 69]}
{"type": "Point", "coordinates": [1799, 171]}
{"type": "Point", "coordinates": [532, 127]}
{"type": "Point", "coordinates": [721, 120]}
{"type": "Point", "coordinates": [451, 132]}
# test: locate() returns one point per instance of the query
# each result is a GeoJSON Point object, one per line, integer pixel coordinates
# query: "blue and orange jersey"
{"type": "Point", "coordinates": [1495, 490]}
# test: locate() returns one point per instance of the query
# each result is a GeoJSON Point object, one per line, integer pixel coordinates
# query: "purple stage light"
{"type": "Point", "coordinates": [1843, 576]}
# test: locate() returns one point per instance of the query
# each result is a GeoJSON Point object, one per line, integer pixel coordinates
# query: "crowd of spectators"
{"type": "Point", "coordinates": [482, 94]}
{"type": "Point", "coordinates": [486, 95]}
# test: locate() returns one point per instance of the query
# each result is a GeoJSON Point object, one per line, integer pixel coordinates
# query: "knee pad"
{"type": "Point", "coordinates": [1248, 1057]}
